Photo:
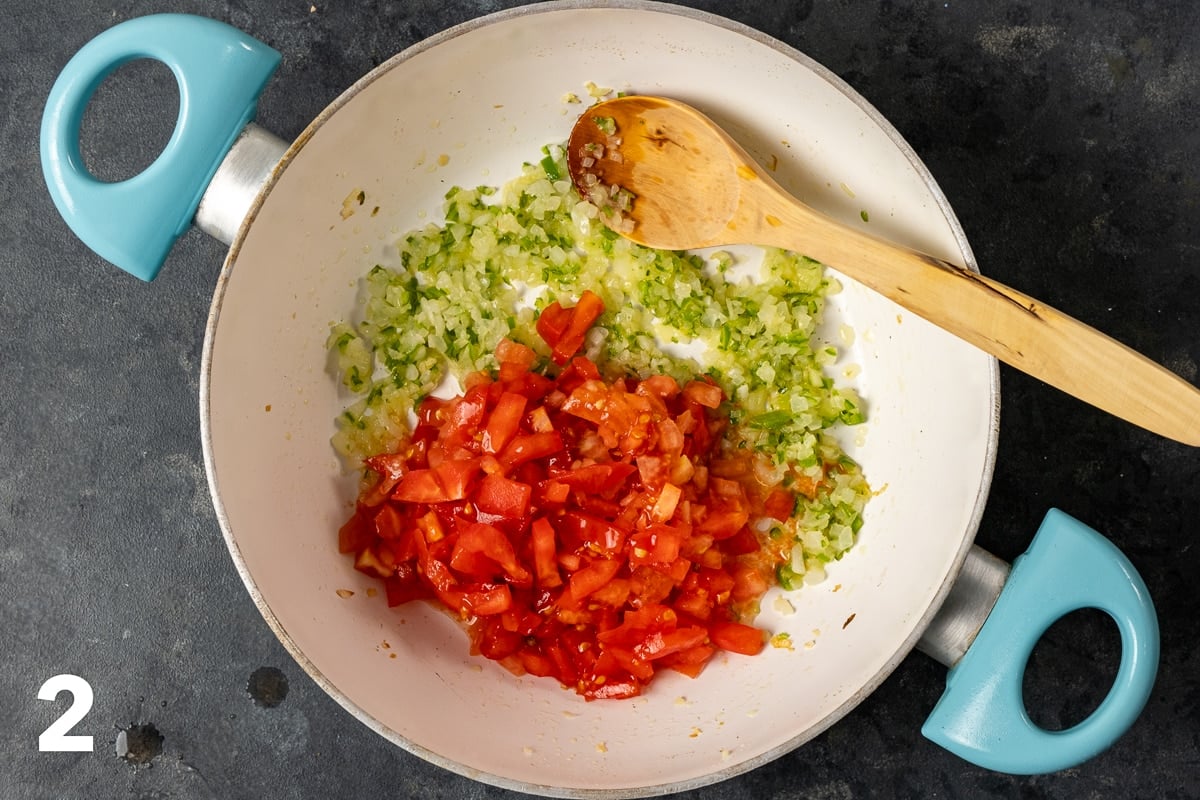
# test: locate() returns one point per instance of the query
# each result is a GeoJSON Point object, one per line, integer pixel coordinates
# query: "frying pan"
{"type": "Point", "coordinates": [467, 107]}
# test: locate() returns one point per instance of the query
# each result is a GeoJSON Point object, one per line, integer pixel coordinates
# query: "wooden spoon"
{"type": "Point", "coordinates": [667, 177]}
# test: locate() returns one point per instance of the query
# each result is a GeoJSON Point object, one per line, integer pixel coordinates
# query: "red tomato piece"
{"type": "Point", "coordinates": [595, 575]}
{"type": "Point", "coordinates": [658, 644]}
{"type": "Point", "coordinates": [581, 531]}
{"type": "Point", "coordinates": [522, 618]}
{"type": "Point", "coordinates": [357, 533]}
{"type": "Point", "coordinates": [494, 642]}
{"type": "Point", "coordinates": [503, 497]}
{"type": "Point", "coordinates": [631, 662]}
{"type": "Point", "coordinates": [565, 329]}
{"type": "Point", "coordinates": [442, 580]}
{"type": "Point", "coordinates": [654, 470]}
{"type": "Point", "coordinates": [704, 393]}
{"type": "Point", "coordinates": [615, 593]}
{"type": "Point", "coordinates": [749, 583]}
{"type": "Point", "coordinates": [466, 417]}
{"type": "Point", "coordinates": [564, 668]}
{"type": "Point", "coordinates": [487, 599]}
{"type": "Point", "coordinates": [430, 526]}
{"type": "Point", "coordinates": [597, 478]}
{"type": "Point", "coordinates": [539, 420]}
{"type": "Point", "coordinates": [780, 504]}
{"type": "Point", "coordinates": [478, 538]}
{"type": "Point", "coordinates": [456, 476]}
{"type": "Point", "coordinates": [678, 570]}
{"type": "Point", "coordinates": [405, 585]}
{"type": "Point", "coordinates": [526, 447]}
{"type": "Point", "coordinates": [553, 493]}
{"type": "Point", "coordinates": [530, 385]}
{"type": "Point", "coordinates": [419, 486]}
{"type": "Point", "coordinates": [671, 440]}
{"type": "Point", "coordinates": [640, 630]}
{"type": "Point", "coordinates": [691, 661]}
{"type": "Point", "coordinates": [515, 359]}
{"type": "Point", "coordinates": [389, 523]}
{"type": "Point", "coordinates": [741, 543]}
{"type": "Point", "coordinates": [544, 551]}
{"type": "Point", "coordinates": [588, 401]}
{"type": "Point", "coordinates": [470, 564]}
{"type": "Point", "coordinates": [656, 544]}
{"type": "Point", "coordinates": [373, 561]}
{"type": "Point", "coordinates": [580, 370]}
{"type": "Point", "coordinates": [663, 387]}
{"type": "Point", "coordinates": [723, 524]}
{"type": "Point", "coordinates": [552, 323]}
{"type": "Point", "coordinates": [620, 688]}
{"type": "Point", "coordinates": [536, 663]}
{"type": "Point", "coordinates": [651, 586]}
{"type": "Point", "coordinates": [570, 561]}
{"type": "Point", "coordinates": [389, 467]}
{"type": "Point", "coordinates": [737, 637]}
{"type": "Point", "coordinates": [695, 602]}
{"type": "Point", "coordinates": [503, 422]}
{"type": "Point", "coordinates": [430, 415]}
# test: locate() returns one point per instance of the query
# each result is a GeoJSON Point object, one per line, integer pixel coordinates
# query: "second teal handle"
{"type": "Point", "coordinates": [982, 718]}
{"type": "Point", "coordinates": [220, 71]}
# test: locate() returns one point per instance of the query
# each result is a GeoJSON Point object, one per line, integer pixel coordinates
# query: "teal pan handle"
{"type": "Point", "coordinates": [220, 72]}
{"type": "Point", "coordinates": [982, 718]}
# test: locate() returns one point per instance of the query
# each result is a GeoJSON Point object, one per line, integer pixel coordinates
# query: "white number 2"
{"type": "Point", "coordinates": [56, 738]}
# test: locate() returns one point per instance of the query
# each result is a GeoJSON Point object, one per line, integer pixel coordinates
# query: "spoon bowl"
{"type": "Point", "coordinates": [685, 170]}
{"type": "Point", "coordinates": [666, 176]}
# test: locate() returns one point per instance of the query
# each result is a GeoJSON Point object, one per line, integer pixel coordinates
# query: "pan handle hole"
{"type": "Point", "coordinates": [1071, 669]}
{"type": "Point", "coordinates": [129, 120]}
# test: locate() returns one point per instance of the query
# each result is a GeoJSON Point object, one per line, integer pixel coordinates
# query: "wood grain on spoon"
{"type": "Point", "coordinates": [693, 186]}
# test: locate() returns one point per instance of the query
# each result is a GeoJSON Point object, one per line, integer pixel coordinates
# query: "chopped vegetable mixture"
{"type": "Point", "coordinates": [641, 449]}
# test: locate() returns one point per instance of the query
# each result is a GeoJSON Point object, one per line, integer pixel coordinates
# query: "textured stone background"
{"type": "Point", "coordinates": [1064, 136]}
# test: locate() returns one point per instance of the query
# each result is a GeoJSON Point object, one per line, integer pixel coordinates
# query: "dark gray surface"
{"type": "Point", "coordinates": [1064, 136]}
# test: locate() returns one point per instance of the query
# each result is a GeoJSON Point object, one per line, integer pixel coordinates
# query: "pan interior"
{"type": "Point", "coordinates": [467, 108]}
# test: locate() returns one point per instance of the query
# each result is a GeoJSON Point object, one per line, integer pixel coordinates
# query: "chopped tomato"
{"type": "Point", "coordinates": [503, 422]}
{"type": "Point", "coordinates": [466, 414]}
{"type": "Point", "coordinates": [737, 637]}
{"type": "Point", "coordinates": [526, 447]}
{"type": "Point", "coordinates": [657, 544]}
{"type": "Point", "coordinates": [487, 600]}
{"type": "Point", "coordinates": [389, 467]}
{"type": "Point", "coordinates": [598, 479]}
{"type": "Point", "coordinates": [515, 359]}
{"type": "Point", "coordinates": [405, 586]}
{"type": "Point", "coordinates": [455, 476]}
{"type": "Point", "coordinates": [552, 323]}
{"type": "Point", "coordinates": [544, 549]}
{"type": "Point", "coordinates": [592, 577]}
{"type": "Point", "coordinates": [503, 497]}
{"type": "Point", "coordinates": [419, 486]}
{"type": "Point", "coordinates": [704, 393]}
{"type": "Point", "coordinates": [356, 534]}
{"type": "Point", "coordinates": [494, 641]}
{"type": "Point", "coordinates": [481, 539]}
{"type": "Point", "coordinates": [589, 531]}
{"type": "Point", "coordinates": [780, 504]}
{"type": "Point", "coordinates": [564, 329]}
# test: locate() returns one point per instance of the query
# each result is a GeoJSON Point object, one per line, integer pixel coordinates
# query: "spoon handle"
{"type": "Point", "coordinates": [1015, 328]}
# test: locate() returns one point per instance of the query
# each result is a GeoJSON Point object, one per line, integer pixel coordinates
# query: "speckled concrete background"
{"type": "Point", "coordinates": [1064, 136]}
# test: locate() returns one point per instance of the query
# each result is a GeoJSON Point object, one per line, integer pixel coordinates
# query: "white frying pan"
{"type": "Point", "coordinates": [467, 107]}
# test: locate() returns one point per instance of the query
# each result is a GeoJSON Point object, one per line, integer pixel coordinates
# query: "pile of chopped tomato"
{"type": "Point", "coordinates": [585, 530]}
